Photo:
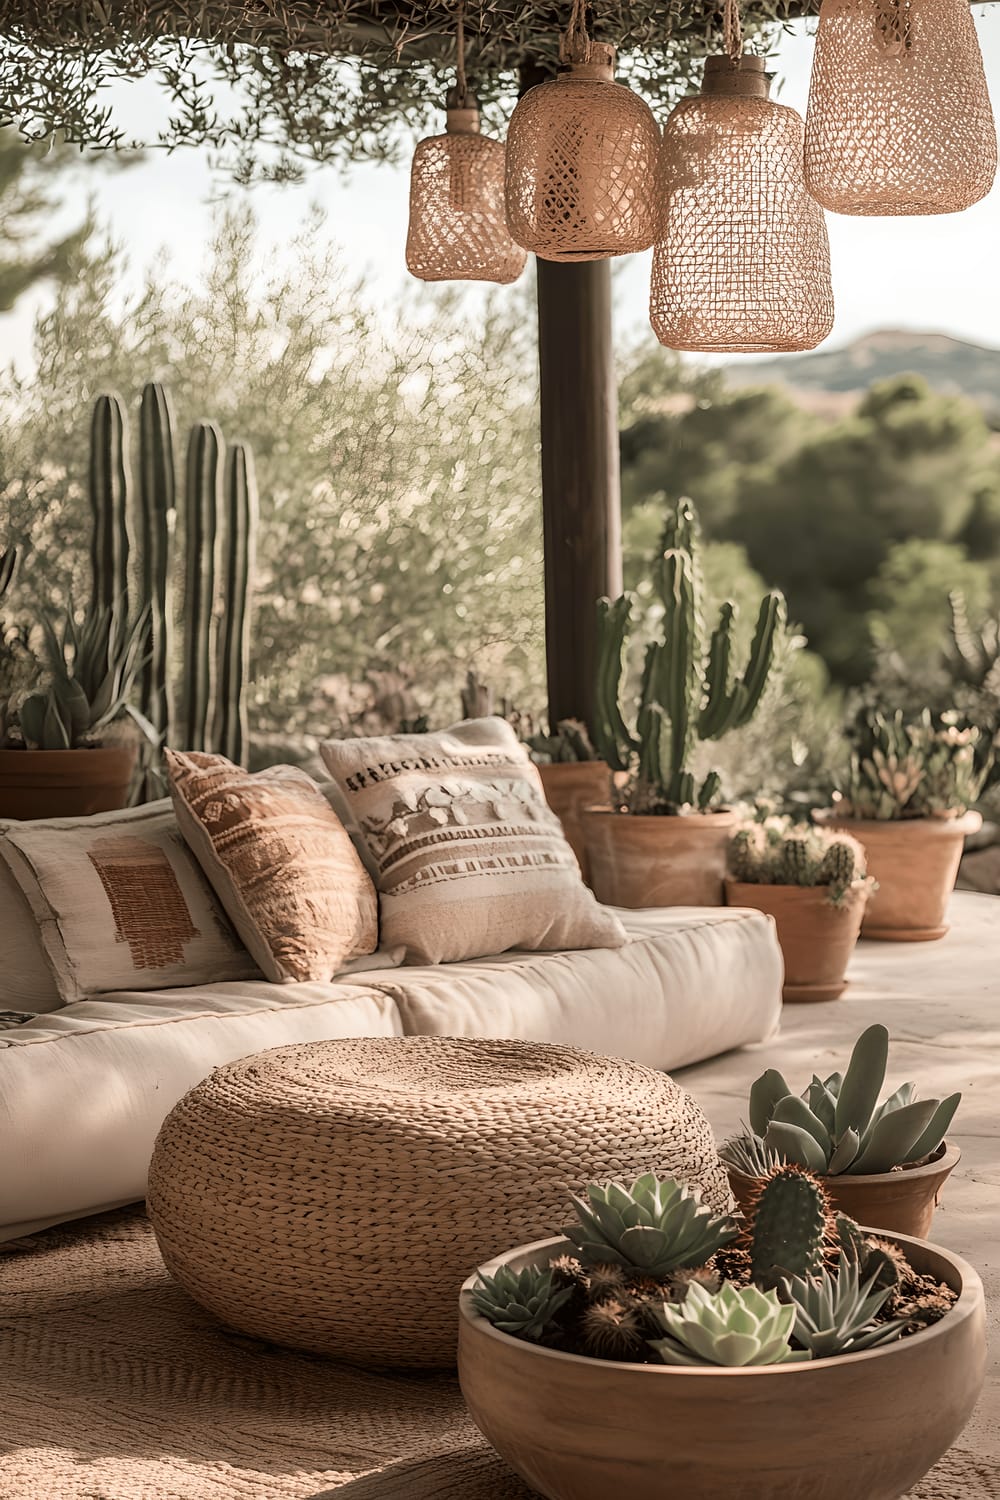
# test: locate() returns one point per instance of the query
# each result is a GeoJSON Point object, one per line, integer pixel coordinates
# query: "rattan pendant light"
{"type": "Point", "coordinates": [899, 118]}
{"type": "Point", "coordinates": [581, 159]}
{"type": "Point", "coordinates": [458, 227]}
{"type": "Point", "coordinates": [742, 261]}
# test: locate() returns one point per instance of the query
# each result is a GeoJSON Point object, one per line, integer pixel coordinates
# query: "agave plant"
{"type": "Point", "coordinates": [732, 1326]}
{"type": "Point", "coordinates": [92, 670]}
{"type": "Point", "coordinates": [657, 1225]}
{"type": "Point", "coordinates": [837, 1125]}
{"type": "Point", "coordinates": [835, 1314]}
{"type": "Point", "coordinates": [523, 1303]}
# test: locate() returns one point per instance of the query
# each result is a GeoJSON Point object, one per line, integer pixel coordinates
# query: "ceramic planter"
{"type": "Point", "coordinates": [64, 783]}
{"type": "Point", "coordinates": [902, 1202]}
{"type": "Point", "coordinates": [915, 861]}
{"type": "Point", "coordinates": [866, 1425]}
{"type": "Point", "coordinates": [816, 937]}
{"type": "Point", "coordinates": [569, 787]}
{"type": "Point", "coordinates": [644, 860]}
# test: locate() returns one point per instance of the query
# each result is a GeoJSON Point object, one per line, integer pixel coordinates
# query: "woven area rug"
{"type": "Point", "coordinates": [114, 1385]}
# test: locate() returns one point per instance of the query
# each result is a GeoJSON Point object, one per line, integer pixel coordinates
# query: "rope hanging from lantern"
{"type": "Point", "coordinates": [732, 31]}
{"type": "Point", "coordinates": [461, 82]}
{"type": "Point", "coordinates": [574, 46]}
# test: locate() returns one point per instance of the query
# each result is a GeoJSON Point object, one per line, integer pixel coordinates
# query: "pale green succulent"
{"type": "Point", "coordinates": [523, 1303]}
{"type": "Point", "coordinates": [734, 1326]}
{"type": "Point", "coordinates": [657, 1225]}
{"type": "Point", "coordinates": [834, 1314]}
{"type": "Point", "coordinates": [837, 1124]}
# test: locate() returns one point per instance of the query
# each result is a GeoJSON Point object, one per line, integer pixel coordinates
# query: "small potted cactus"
{"type": "Point", "coordinates": [646, 1345]}
{"type": "Point", "coordinates": [814, 884]}
{"type": "Point", "coordinates": [884, 1164]}
{"type": "Point", "coordinates": [70, 743]}
{"type": "Point", "coordinates": [907, 798]}
{"type": "Point", "coordinates": [664, 843]}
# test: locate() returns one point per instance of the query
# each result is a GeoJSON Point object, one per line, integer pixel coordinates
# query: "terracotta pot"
{"type": "Point", "coordinates": [866, 1425]}
{"type": "Point", "coordinates": [569, 787]}
{"type": "Point", "coordinates": [915, 861]}
{"type": "Point", "coordinates": [64, 783]}
{"type": "Point", "coordinates": [902, 1202]}
{"type": "Point", "coordinates": [817, 938]}
{"type": "Point", "coordinates": [644, 860]}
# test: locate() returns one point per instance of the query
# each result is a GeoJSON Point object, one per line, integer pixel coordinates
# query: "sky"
{"type": "Point", "coordinates": [931, 274]}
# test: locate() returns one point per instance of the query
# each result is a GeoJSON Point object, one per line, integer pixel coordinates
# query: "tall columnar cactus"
{"type": "Point", "coordinates": [202, 492]}
{"type": "Point", "coordinates": [237, 553]}
{"type": "Point", "coordinates": [688, 693]}
{"type": "Point", "coordinates": [108, 489]}
{"type": "Point", "coordinates": [156, 514]}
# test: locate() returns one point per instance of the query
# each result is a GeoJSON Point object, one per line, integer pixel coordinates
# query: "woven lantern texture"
{"type": "Point", "coordinates": [742, 260]}
{"type": "Point", "coordinates": [458, 229]}
{"type": "Point", "coordinates": [581, 165]}
{"type": "Point", "coordinates": [899, 118]}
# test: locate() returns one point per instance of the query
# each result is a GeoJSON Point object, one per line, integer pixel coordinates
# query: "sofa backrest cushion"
{"type": "Point", "coordinates": [470, 860]}
{"type": "Point", "coordinates": [280, 861]}
{"type": "Point", "coordinates": [121, 903]}
{"type": "Point", "coordinates": [27, 983]}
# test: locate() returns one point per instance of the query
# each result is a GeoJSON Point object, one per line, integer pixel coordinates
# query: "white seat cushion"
{"type": "Point", "coordinates": [83, 1091]}
{"type": "Point", "coordinates": [690, 983]}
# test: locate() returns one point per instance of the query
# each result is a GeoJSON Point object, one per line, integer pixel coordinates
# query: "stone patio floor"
{"type": "Point", "coordinates": [941, 1003]}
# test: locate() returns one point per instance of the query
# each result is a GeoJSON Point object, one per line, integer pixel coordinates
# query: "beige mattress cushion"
{"type": "Point", "coordinates": [84, 1091]}
{"type": "Point", "coordinates": [691, 982]}
{"type": "Point", "coordinates": [121, 903]}
{"type": "Point", "coordinates": [280, 861]}
{"type": "Point", "coordinates": [469, 858]}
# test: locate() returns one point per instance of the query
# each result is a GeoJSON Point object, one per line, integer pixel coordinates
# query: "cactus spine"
{"type": "Point", "coordinates": [789, 1227]}
{"type": "Point", "coordinates": [108, 490]}
{"type": "Point", "coordinates": [687, 694]}
{"type": "Point", "coordinates": [238, 531]}
{"type": "Point", "coordinates": [202, 488]}
{"type": "Point", "coordinates": [156, 517]}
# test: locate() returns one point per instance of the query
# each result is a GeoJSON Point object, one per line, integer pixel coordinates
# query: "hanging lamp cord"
{"type": "Point", "coordinates": [732, 31]}
{"type": "Point", "coordinates": [575, 45]}
{"type": "Point", "coordinates": [461, 82]}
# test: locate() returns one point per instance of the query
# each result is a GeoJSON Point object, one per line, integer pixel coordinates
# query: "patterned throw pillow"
{"type": "Point", "coordinates": [121, 903]}
{"type": "Point", "coordinates": [281, 863]}
{"type": "Point", "coordinates": [470, 861]}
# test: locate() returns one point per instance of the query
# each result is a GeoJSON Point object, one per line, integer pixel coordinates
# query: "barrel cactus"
{"type": "Point", "coordinates": [789, 1227]}
{"type": "Point", "coordinates": [780, 852]}
{"type": "Point", "coordinates": [690, 691]}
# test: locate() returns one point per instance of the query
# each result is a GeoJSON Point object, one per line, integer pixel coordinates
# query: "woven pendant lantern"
{"type": "Point", "coordinates": [899, 118]}
{"type": "Point", "coordinates": [581, 159]}
{"type": "Point", "coordinates": [458, 227]}
{"type": "Point", "coordinates": [742, 262]}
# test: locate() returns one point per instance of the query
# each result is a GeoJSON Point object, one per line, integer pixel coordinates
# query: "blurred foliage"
{"type": "Point", "coordinates": [397, 465]}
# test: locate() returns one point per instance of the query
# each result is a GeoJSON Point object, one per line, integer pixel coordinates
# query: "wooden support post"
{"type": "Point", "coordinates": [581, 495]}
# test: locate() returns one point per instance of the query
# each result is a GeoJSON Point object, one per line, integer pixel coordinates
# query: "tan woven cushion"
{"type": "Point", "coordinates": [335, 1196]}
{"type": "Point", "coordinates": [121, 903]}
{"type": "Point", "coordinates": [281, 863]}
{"type": "Point", "coordinates": [470, 860]}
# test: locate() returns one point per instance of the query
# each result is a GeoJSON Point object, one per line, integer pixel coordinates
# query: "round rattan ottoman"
{"type": "Point", "coordinates": [333, 1196]}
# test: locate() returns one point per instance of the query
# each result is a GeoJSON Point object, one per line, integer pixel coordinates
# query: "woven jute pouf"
{"type": "Point", "coordinates": [333, 1196]}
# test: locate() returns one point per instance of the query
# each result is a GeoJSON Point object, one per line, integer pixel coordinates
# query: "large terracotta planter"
{"type": "Point", "coordinates": [915, 861]}
{"type": "Point", "coordinates": [644, 860]}
{"type": "Point", "coordinates": [64, 783]}
{"type": "Point", "coordinates": [900, 1202]}
{"type": "Point", "coordinates": [865, 1425]}
{"type": "Point", "coordinates": [816, 937]}
{"type": "Point", "coordinates": [569, 787]}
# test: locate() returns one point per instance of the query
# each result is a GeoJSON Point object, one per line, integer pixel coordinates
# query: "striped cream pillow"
{"type": "Point", "coordinates": [281, 863]}
{"type": "Point", "coordinates": [469, 859]}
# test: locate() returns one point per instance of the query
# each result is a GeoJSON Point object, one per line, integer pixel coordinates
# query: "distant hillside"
{"type": "Point", "coordinates": [949, 365]}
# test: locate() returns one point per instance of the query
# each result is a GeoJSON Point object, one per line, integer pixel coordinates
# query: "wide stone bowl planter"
{"type": "Point", "coordinates": [569, 787]}
{"type": "Point", "coordinates": [64, 783]}
{"type": "Point", "coordinates": [645, 860]}
{"type": "Point", "coordinates": [900, 1202]}
{"type": "Point", "coordinates": [915, 862]}
{"type": "Point", "coordinates": [816, 937]}
{"type": "Point", "coordinates": [866, 1425]}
